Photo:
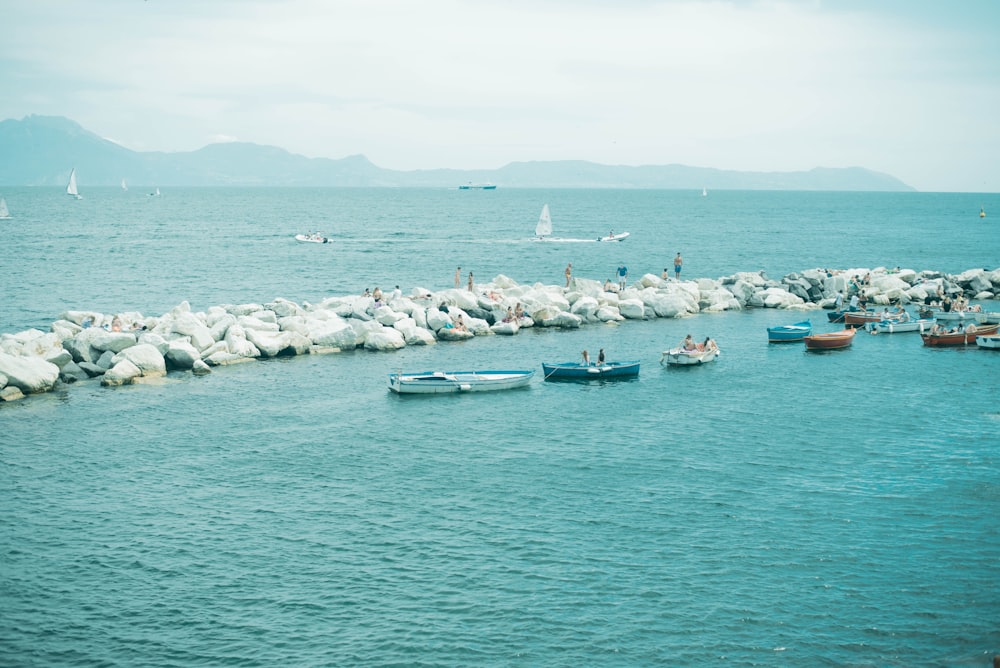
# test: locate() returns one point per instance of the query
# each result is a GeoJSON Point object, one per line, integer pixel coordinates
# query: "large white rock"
{"type": "Point", "coordinates": [335, 332]}
{"type": "Point", "coordinates": [29, 374]}
{"type": "Point", "coordinates": [608, 313]}
{"type": "Point", "coordinates": [585, 307]}
{"type": "Point", "coordinates": [236, 343]}
{"type": "Point", "coordinates": [385, 338]}
{"type": "Point", "coordinates": [144, 356]}
{"type": "Point", "coordinates": [252, 322]}
{"type": "Point", "coordinates": [122, 373]}
{"type": "Point", "coordinates": [632, 309]}
{"type": "Point", "coordinates": [181, 354]}
{"type": "Point", "coordinates": [452, 334]}
{"type": "Point", "coordinates": [188, 324]}
{"type": "Point", "coordinates": [268, 343]}
{"type": "Point", "coordinates": [283, 308]}
{"type": "Point", "coordinates": [387, 317]}
{"type": "Point", "coordinates": [112, 341]}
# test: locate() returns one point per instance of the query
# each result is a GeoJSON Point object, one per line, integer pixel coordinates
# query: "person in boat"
{"type": "Point", "coordinates": [689, 343]}
{"type": "Point", "coordinates": [854, 303]}
{"type": "Point", "coordinates": [708, 344]}
{"type": "Point", "coordinates": [586, 357]}
{"type": "Point", "coordinates": [886, 315]}
{"type": "Point", "coordinates": [946, 304]}
{"type": "Point", "coordinates": [863, 302]}
{"type": "Point", "coordinates": [936, 329]}
{"type": "Point", "coordinates": [600, 357]}
{"type": "Point", "coordinates": [838, 303]}
{"type": "Point", "coordinates": [677, 266]}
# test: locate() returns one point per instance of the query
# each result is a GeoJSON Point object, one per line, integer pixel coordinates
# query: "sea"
{"type": "Point", "coordinates": [774, 508]}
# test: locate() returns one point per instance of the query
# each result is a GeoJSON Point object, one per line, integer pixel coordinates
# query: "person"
{"type": "Point", "coordinates": [863, 302]}
{"type": "Point", "coordinates": [586, 358]}
{"type": "Point", "coordinates": [458, 277]}
{"type": "Point", "coordinates": [116, 324]}
{"type": "Point", "coordinates": [569, 273]}
{"type": "Point", "coordinates": [471, 287]}
{"type": "Point", "coordinates": [665, 275]}
{"type": "Point", "coordinates": [853, 305]}
{"type": "Point", "coordinates": [460, 324]}
{"type": "Point", "coordinates": [608, 286]}
{"type": "Point", "coordinates": [622, 276]}
{"type": "Point", "coordinates": [87, 322]}
{"type": "Point", "coordinates": [677, 266]}
{"type": "Point", "coordinates": [885, 314]}
{"type": "Point", "coordinates": [397, 293]}
{"type": "Point", "coordinates": [600, 357]}
{"type": "Point", "coordinates": [935, 329]}
{"type": "Point", "coordinates": [377, 294]}
{"type": "Point", "coordinates": [366, 293]}
{"type": "Point", "coordinates": [709, 344]}
{"type": "Point", "coordinates": [689, 343]}
{"type": "Point", "coordinates": [946, 304]}
{"type": "Point", "coordinates": [838, 303]}
{"type": "Point", "coordinates": [509, 316]}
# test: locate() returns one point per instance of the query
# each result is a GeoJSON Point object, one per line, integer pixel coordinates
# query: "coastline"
{"type": "Point", "coordinates": [127, 348]}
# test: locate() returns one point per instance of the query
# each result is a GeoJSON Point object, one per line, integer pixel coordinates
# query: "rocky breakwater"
{"type": "Point", "coordinates": [133, 348]}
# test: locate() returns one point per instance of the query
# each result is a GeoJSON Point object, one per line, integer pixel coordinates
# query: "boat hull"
{"type": "Point", "coordinates": [681, 357]}
{"type": "Point", "coordinates": [892, 327]}
{"type": "Point", "coordinates": [960, 316]}
{"type": "Point", "coordinates": [787, 333]}
{"type": "Point", "coordinates": [962, 338]}
{"type": "Point", "coordinates": [991, 342]}
{"type": "Point", "coordinates": [860, 318]}
{"type": "Point", "coordinates": [830, 340]}
{"type": "Point", "coordinates": [448, 382]}
{"type": "Point", "coordinates": [579, 371]}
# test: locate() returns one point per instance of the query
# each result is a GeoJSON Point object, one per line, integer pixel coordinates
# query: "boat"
{"type": "Point", "coordinates": [896, 327]}
{"type": "Point", "coordinates": [442, 382]}
{"type": "Point", "coordinates": [963, 337]}
{"type": "Point", "coordinates": [124, 187]}
{"type": "Point", "coordinates": [704, 192]}
{"type": "Point", "coordinates": [830, 340]}
{"type": "Point", "coordinates": [783, 333]}
{"type": "Point", "coordinates": [543, 230]}
{"type": "Point", "coordinates": [681, 357]}
{"type": "Point", "coordinates": [582, 371]}
{"type": "Point", "coordinates": [71, 188]}
{"type": "Point", "coordinates": [960, 316]}
{"type": "Point", "coordinates": [4, 211]}
{"type": "Point", "coordinates": [621, 236]}
{"type": "Point", "coordinates": [480, 186]}
{"type": "Point", "coordinates": [155, 193]}
{"type": "Point", "coordinates": [990, 341]}
{"type": "Point", "coordinates": [836, 316]}
{"type": "Point", "coordinates": [314, 237]}
{"type": "Point", "coordinates": [861, 318]}
{"type": "Point", "coordinates": [982, 212]}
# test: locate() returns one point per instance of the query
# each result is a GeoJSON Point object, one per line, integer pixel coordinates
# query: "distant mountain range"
{"type": "Point", "coordinates": [41, 150]}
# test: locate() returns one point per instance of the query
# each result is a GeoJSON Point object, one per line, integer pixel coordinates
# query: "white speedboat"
{"type": "Point", "coordinates": [440, 382]}
{"type": "Point", "coordinates": [621, 236]}
{"type": "Point", "coordinates": [312, 238]}
{"type": "Point", "coordinates": [682, 357]}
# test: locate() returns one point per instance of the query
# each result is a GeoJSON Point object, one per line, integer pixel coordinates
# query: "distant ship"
{"type": "Point", "coordinates": [477, 186]}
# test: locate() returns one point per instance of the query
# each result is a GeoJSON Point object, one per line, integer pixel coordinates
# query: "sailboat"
{"type": "Point", "coordinates": [124, 187]}
{"type": "Point", "coordinates": [544, 227]}
{"type": "Point", "coordinates": [71, 188]}
{"type": "Point", "coordinates": [982, 212]}
{"type": "Point", "coordinates": [155, 194]}
{"type": "Point", "coordinates": [704, 192]}
{"type": "Point", "coordinates": [4, 212]}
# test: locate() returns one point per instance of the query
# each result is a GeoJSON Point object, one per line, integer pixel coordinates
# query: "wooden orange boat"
{"type": "Point", "coordinates": [860, 318]}
{"type": "Point", "coordinates": [830, 340]}
{"type": "Point", "coordinates": [963, 338]}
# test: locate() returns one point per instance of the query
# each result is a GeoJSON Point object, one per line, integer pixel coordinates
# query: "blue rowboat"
{"type": "Point", "coordinates": [783, 333]}
{"type": "Point", "coordinates": [439, 382]}
{"type": "Point", "coordinates": [581, 371]}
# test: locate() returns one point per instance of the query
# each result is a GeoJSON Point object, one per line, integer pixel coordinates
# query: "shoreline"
{"type": "Point", "coordinates": [127, 348]}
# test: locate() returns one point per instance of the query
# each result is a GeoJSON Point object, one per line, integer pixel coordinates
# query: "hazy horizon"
{"type": "Point", "coordinates": [908, 89]}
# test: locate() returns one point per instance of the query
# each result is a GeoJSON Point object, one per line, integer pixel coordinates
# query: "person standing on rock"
{"type": "Point", "coordinates": [622, 274]}
{"type": "Point", "coordinates": [458, 277]}
{"type": "Point", "coordinates": [471, 287]}
{"type": "Point", "coordinates": [569, 273]}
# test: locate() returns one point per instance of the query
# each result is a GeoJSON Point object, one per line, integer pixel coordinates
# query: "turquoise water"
{"type": "Point", "coordinates": [774, 508]}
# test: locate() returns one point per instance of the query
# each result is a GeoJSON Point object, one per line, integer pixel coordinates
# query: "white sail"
{"type": "Point", "coordinates": [704, 192]}
{"type": "Point", "coordinates": [544, 227]}
{"type": "Point", "coordinates": [124, 187]}
{"type": "Point", "coordinates": [4, 213]}
{"type": "Point", "coordinates": [71, 188]}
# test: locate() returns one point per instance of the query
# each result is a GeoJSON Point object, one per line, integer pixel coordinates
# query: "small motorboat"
{"type": "Point", "coordinates": [963, 337]}
{"type": "Point", "coordinates": [621, 236]}
{"type": "Point", "coordinates": [583, 371]}
{"type": "Point", "coordinates": [896, 326]}
{"type": "Point", "coordinates": [991, 341]}
{"type": "Point", "coordinates": [441, 382]}
{"type": "Point", "coordinates": [784, 333]}
{"type": "Point", "coordinates": [683, 357]}
{"type": "Point", "coordinates": [315, 238]}
{"type": "Point", "coordinates": [830, 340]}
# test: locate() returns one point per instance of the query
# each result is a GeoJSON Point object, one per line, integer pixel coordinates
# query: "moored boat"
{"type": "Point", "coordinates": [963, 337]}
{"type": "Point", "coordinates": [960, 316]}
{"type": "Point", "coordinates": [683, 357]}
{"type": "Point", "coordinates": [991, 341]}
{"type": "Point", "coordinates": [441, 382]}
{"type": "Point", "coordinates": [582, 371]}
{"type": "Point", "coordinates": [861, 318]}
{"type": "Point", "coordinates": [795, 332]}
{"type": "Point", "coordinates": [895, 327]}
{"type": "Point", "coordinates": [830, 340]}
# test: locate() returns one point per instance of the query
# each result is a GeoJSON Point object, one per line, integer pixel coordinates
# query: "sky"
{"type": "Point", "coordinates": [910, 88]}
